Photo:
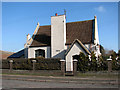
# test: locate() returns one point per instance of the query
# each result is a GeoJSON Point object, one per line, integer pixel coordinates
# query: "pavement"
{"type": "Point", "coordinates": [29, 81]}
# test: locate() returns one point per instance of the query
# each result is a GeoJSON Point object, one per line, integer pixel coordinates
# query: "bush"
{"type": "Point", "coordinates": [5, 64]}
{"type": "Point", "coordinates": [93, 64]}
{"type": "Point", "coordinates": [115, 65]}
{"type": "Point", "coordinates": [83, 62]}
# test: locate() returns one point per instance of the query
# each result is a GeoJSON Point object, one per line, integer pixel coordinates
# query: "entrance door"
{"type": "Point", "coordinates": [76, 57]}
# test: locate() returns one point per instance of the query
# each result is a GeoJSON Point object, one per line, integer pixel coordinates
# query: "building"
{"type": "Point", "coordinates": [63, 40]}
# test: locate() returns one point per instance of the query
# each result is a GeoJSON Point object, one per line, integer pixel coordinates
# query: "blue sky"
{"type": "Point", "coordinates": [19, 19]}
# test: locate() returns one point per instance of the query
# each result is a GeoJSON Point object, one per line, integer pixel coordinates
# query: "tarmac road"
{"type": "Point", "coordinates": [28, 84]}
{"type": "Point", "coordinates": [18, 81]}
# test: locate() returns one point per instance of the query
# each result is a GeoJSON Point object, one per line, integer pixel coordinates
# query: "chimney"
{"type": "Point", "coordinates": [28, 37]}
{"type": "Point", "coordinates": [56, 14]}
{"type": "Point", "coordinates": [58, 36]}
{"type": "Point", "coordinates": [95, 17]}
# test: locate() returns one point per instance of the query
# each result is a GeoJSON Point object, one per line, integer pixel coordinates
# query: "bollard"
{"type": "Point", "coordinates": [11, 64]}
{"type": "Point", "coordinates": [34, 61]}
{"type": "Point", "coordinates": [75, 66]}
{"type": "Point", "coordinates": [62, 66]}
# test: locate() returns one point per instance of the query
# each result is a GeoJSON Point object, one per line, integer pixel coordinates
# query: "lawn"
{"type": "Point", "coordinates": [56, 73]}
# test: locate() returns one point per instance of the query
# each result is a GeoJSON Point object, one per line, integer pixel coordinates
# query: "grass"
{"type": "Point", "coordinates": [98, 75]}
{"type": "Point", "coordinates": [36, 73]}
{"type": "Point", "coordinates": [58, 73]}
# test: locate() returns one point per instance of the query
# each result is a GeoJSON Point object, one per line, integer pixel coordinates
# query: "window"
{"type": "Point", "coordinates": [39, 52]}
{"type": "Point", "coordinates": [57, 50]}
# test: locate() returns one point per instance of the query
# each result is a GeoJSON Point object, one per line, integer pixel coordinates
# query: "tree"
{"type": "Point", "coordinates": [115, 64]}
{"type": "Point", "coordinates": [102, 50]}
{"type": "Point", "coordinates": [104, 53]}
{"type": "Point", "coordinates": [93, 65]}
{"type": "Point", "coordinates": [83, 62]}
{"type": "Point", "coordinates": [119, 53]}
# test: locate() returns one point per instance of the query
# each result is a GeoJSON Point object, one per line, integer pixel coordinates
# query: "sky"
{"type": "Point", "coordinates": [20, 19]}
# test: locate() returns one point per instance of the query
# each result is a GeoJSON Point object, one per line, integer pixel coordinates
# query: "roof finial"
{"type": "Point", "coordinates": [64, 12]}
{"type": "Point", "coordinates": [95, 16]}
{"type": "Point", "coordinates": [38, 23]}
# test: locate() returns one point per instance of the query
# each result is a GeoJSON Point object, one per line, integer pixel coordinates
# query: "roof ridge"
{"type": "Point", "coordinates": [83, 46]}
{"type": "Point", "coordinates": [45, 25]}
{"type": "Point", "coordinates": [70, 22]}
{"type": "Point", "coordinates": [80, 21]}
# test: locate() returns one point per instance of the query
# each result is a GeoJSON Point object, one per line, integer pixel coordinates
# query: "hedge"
{"type": "Point", "coordinates": [27, 64]}
{"type": "Point", "coordinates": [54, 64]}
{"type": "Point", "coordinates": [84, 64]}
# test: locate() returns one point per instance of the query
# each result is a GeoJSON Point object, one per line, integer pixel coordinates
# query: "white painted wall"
{"type": "Point", "coordinates": [94, 48]}
{"type": "Point", "coordinates": [58, 36]}
{"type": "Point", "coordinates": [30, 40]}
{"type": "Point", "coordinates": [75, 50]}
{"type": "Point", "coordinates": [28, 37]}
{"type": "Point", "coordinates": [96, 41]}
{"type": "Point", "coordinates": [87, 45]}
{"type": "Point", "coordinates": [31, 51]}
{"type": "Point", "coordinates": [96, 32]}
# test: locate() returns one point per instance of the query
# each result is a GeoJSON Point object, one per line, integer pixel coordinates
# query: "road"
{"type": "Point", "coordinates": [18, 81]}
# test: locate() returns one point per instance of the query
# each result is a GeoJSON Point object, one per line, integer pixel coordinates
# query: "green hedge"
{"type": "Point", "coordinates": [26, 64]}
{"type": "Point", "coordinates": [84, 64]}
{"type": "Point", "coordinates": [5, 64]}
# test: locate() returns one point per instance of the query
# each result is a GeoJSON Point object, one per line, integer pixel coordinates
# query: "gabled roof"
{"type": "Point", "coordinates": [80, 43]}
{"type": "Point", "coordinates": [82, 30]}
{"type": "Point", "coordinates": [43, 36]}
{"type": "Point", "coordinates": [17, 54]}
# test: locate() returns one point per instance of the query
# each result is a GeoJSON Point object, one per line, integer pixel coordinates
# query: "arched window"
{"type": "Point", "coordinates": [39, 52]}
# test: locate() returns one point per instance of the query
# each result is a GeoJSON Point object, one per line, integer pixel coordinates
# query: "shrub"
{"type": "Point", "coordinates": [115, 65]}
{"type": "Point", "coordinates": [5, 64]}
{"type": "Point", "coordinates": [83, 62]}
{"type": "Point", "coordinates": [93, 64]}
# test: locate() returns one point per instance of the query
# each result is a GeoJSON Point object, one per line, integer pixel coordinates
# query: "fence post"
{"type": "Point", "coordinates": [62, 66]}
{"type": "Point", "coordinates": [109, 64]}
{"type": "Point", "coordinates": [75, 66]}
{"type": "Point", "coordinates": [34, 61]}
{"type": "Point", "coordinates": [11, 65]}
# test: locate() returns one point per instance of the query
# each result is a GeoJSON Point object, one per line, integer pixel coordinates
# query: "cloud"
{"type": "Point", "coordinates": [100, 9]}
